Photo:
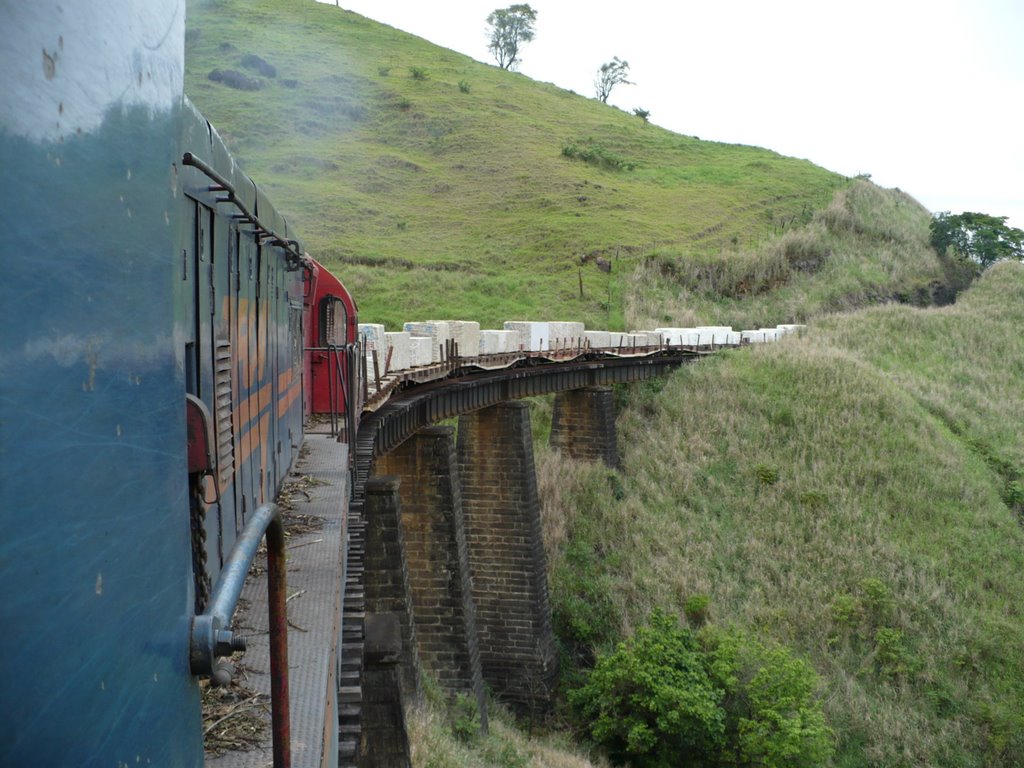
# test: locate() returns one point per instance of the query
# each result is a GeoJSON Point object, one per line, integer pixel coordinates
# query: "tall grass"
{"type": "Point", "coordinates": [830, 492]}
{"type": "Point", "coordinates": [867, 245]}
{"type": "Point", "coordinates": [434, 743]}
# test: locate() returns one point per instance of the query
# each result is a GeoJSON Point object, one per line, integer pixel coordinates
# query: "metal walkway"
{"type": "Point", "coordinates": [315, 559]}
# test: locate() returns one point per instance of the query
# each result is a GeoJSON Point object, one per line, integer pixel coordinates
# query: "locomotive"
{"type": "Point", "coordinates": [162, 329]}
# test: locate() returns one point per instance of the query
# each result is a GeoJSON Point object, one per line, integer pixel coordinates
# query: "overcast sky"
{"type": "Point", "coordinates": [924, 95]}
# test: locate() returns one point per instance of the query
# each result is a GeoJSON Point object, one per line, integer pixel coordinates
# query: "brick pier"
{"type": "Point", "coordinates": [583, 425]}
{"type": "Point", "coordinates": [506, 554]}
{"type": "Point", "coordinates": [437, 557]}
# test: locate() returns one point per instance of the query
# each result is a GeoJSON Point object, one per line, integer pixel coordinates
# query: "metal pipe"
{"type": "Point", "coordinates": [211, 633]}
{"type": "Point", "coordinates": [277, 586]}
{"type": "Point", "coordinates": [291, 247]}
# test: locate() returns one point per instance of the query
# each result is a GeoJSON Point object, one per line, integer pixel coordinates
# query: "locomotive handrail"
{"type": "Point", "coordinates": [212, 636]}
{"type": "Point", "coordinates": [291, 247]}
{"type": "Point", "coordinates": [337, 385]}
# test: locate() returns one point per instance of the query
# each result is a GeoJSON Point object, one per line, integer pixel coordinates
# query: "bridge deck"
{"type": "Point", "coordinates": [380, 389]}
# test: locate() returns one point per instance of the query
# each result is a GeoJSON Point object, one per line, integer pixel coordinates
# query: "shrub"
{"type": "Point", "coordinates": [261, 65]}
{"type": "Point", "coordinates": [465, 719]}
{"type": "Point", "coordinates": [590, 152]}
{"type": "Point", "coordinates": [464, 86]}
{"type": "Point", "coordinates": [668, 697]}
{"type": "Point", "coordinates": [696, 610]}
{"type": "Point", "coordinates": [651, 701]}
{"type": "Point", "coordinates": [583, 612]}
{"type": "Point", "coordinates": [773, 717]}
{"type": "Point", "coordinates": [418, 73]}
{"type": "Point", "coordinates": [235, 79]}
{"type": "Point", "coordinates": [766, 475]}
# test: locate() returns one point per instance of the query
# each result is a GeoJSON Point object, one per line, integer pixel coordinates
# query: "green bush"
{"type": "Point", "coordinates": [668, 697]}
{"type": "Point", "coordinates": [696, 610]}
{"type": "Point", "coordinates": [593, 153]}
{"type": "Point", "coordinates": [584, 615]}
{"type": "Point", "coordinates": [464, 86]}
{"type": "Point", "coordinates": [651, 701]}
{"type": "Point", "coordinates": [465, 719]}
{"type": "Point", "coordinates": [773, 718]}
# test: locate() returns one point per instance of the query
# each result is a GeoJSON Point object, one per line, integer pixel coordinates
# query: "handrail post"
{"type": "Point", "coordinates": [212, 637]}
{"type": "Point", "coordinates": [277, 587]}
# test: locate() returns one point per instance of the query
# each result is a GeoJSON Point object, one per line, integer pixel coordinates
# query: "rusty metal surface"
{"type": "Point", "coordinates": [391, 387]}
{"type": "Point", "coordinates": [407, 411]}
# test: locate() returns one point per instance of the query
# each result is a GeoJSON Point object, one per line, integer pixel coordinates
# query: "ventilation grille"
{"type": "Point", "coordinates": [225, 432]}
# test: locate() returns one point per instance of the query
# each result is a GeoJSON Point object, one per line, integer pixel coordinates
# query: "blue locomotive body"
{"type": "Point", "coordinates": [140, 265]}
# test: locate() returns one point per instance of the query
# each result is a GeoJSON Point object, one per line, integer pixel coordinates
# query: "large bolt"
{"type": "Point", "coordinates": [226, 643]}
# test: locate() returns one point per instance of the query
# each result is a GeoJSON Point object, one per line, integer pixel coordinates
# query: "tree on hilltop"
{"type": "Point", "coordinates": [610, 74]}
{"type": "Point", "coordinates": [510, 28]}
{"type": "Point", "coordinates": [979, 237]}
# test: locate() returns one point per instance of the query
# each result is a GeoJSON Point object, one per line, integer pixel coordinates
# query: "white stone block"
{"type": "Point", "coordinates": [713, 334]}
{"type": "Point", "coordinates": [649, 338]}
{"type": "Point", "coordinates": [420, 351]}
{"type": "Point", "coordinates": [532, 336]}
{"type": "Point", "coordinates": [438, 331]}
{"type": "Point", "coordinates": [398, 345]}
{"type": "Point", "coordinates": [498, 342]}
{"type": "Point", "coordinates": [597, 339]}
{"type": "Point", "coordinates": [466, 335]}
{"type": "Point", "coordinates": [676, 337]}
{"type": "Point", "coordinates": [372, 335]}
{"type": "Point", "coordinates": [566, 335]}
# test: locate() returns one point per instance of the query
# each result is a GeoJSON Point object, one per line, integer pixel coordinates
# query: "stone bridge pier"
{"type": "Point", "coordinates": [437, 562]}
{"type": "Point", "coordinates": [455, 553]}
{"type": "Point", "coordinates": [506, 555]}
{"type": "Point", "coordinates": [583, 424]}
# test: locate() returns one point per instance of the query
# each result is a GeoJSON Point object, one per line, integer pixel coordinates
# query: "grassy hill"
{"type": "Point", "coordinates": [853, 494]}
{"type": "Point", "coordinates": [439, 186]}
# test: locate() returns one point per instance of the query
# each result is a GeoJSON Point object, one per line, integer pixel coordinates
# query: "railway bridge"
{"type": "Point", "coordinates": [445, 532]}
{"type": "Point", "coordinates": [433, 524]}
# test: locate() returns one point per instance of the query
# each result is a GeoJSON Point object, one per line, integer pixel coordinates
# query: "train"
{"type": "Point", "coordinates": [165, 341]}
{"type": "Point", "coordinates": [162, 327]}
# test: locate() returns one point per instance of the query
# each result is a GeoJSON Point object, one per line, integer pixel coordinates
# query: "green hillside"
{"type": "Point", "coordinates": [853, 494]}
{"type": "Point", "coordinates": [439, 186]}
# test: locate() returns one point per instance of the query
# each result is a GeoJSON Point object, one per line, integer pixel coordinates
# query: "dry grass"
{"type": "Point", "coordinates": [234, 716]}
{"type": "Point", "coordinates": [844, 493]}
{"type": "Point", "coordinates": [868, 245]}
{"type": "Point", "coordinates": [433, 745]}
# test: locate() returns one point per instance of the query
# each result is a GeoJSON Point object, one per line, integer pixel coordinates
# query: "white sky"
{"type": "Point", "coordinates": [925, 95]}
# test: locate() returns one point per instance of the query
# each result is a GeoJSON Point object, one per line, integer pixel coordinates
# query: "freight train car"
{"type": "Point", "coordinates": [155, 311]}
